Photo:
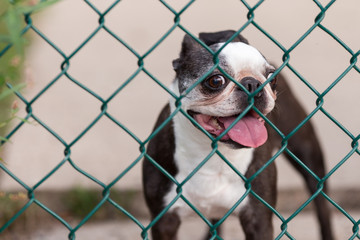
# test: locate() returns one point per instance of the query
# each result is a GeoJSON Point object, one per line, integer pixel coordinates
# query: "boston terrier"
{"type": "Point", "coordinates": [219, 170]}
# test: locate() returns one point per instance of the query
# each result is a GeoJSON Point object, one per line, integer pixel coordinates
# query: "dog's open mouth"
{"type": "Point", "coordinates": [249, 131]}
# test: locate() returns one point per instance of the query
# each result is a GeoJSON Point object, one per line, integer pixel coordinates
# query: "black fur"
{"type": "Point", "coordinates": [154, 181]}
{"type": "Point", "coordinates": [255, 218]}
{"type": "Point", "coordinates": [305, 145]}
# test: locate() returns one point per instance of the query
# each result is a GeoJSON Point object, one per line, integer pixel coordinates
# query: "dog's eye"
{"type": "Point", "coordinates": [273, 82]}
{"type": "Point", "coordinates": [215, 82]}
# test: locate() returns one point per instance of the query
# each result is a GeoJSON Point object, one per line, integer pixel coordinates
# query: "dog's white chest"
{"type": "Point", "coordinates": [215, 188]}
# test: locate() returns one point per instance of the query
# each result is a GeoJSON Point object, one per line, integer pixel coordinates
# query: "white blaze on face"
{"type": "Point", "coordinates": [247, 61]}
{"type": "Point", "coordinates": [241, 57]}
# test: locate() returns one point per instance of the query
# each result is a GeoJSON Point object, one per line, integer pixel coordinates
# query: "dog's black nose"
{"type": "Point", "coordinates": [251, 84]}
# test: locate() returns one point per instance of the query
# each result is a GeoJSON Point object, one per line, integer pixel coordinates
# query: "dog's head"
{"type": "Point", "coordinates": [216, 102]}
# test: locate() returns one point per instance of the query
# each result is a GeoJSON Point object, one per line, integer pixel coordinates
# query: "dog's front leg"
{"type": "Point", "coordinates": [257, 223]}
{"type": "Point", "coordinates": [167, 227]}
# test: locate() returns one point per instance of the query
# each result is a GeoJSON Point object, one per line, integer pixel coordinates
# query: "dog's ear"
{"type": "Point", "coordinates": [223, 36]}
{"type": "Point", "coordinates": [188, 46]}
{"type": "Point", "coordinates": [176, 64]}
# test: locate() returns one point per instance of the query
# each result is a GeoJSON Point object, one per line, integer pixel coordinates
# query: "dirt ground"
{"type": "Point", "coordinates": [300, 228]}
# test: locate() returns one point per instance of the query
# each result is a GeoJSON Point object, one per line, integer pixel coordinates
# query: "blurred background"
{"type": "Point", "coordinates": [104, 64]}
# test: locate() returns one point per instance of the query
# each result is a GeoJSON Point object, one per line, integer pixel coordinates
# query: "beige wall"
{"type": "Point", "coordinates": [104, 64]}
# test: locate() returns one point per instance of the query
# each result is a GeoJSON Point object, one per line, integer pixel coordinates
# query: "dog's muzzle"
{"type": "Point", "coordinates": [251, 84]}
{"type": "Point", "coordinates": [249, 131]}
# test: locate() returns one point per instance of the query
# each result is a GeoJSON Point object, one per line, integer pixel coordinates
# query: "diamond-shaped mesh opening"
{"type": "Point", "coordinates": [46, 221]}
{"type": "Point", "coordinates": [276, 24]}
{"type": "Point", "coordinates": [345, 174]}
{"type": "Point", "coordinates": [210, 15]}
{"type": "Point", "coordinates": [27, 152]}
{"type": "Point", "coordinates": [317, 46]}
{"type": "Point", "coordinates": [113, 150]}
{"type": "Point", "coordinates": [71, 25]}
{"type": "Point", "coordinates": [138, 113]}
{"type": "Point", "coordinates": [94, 106]}
{"type": "Point", "coordinates": [110, 64]}
{"type": "Point", "coordinates": [141, 37]}
{"type": "Point", "coordinates": [336, 108]}
{"type": "Point", "coordinates": [76, 109]}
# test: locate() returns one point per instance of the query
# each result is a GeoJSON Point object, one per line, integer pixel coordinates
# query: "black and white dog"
{"type": "Point", "coordinates": [215, 104]}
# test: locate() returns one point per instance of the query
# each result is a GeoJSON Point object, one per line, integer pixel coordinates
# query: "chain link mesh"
{"type": "Point", "coordinates": [66, 58]}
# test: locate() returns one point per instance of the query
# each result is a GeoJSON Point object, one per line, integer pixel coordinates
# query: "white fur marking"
{"type": "Point", "coordinates": [242, 56]}
{"type": "Point", "coordinates": [215, 188]}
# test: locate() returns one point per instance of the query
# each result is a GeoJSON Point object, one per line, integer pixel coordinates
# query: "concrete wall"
{"type": "Point", "coordinates": [103, 65]}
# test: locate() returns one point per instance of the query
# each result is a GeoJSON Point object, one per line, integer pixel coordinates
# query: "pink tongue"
{"type": "Point", "coordinates": [249, 131]}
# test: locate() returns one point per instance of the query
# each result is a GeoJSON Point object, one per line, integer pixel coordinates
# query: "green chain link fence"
{"type": "Point", "coordinates": [31, 115]}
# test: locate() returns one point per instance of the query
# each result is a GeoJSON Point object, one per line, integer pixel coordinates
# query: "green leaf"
{"type": "Point", "coordinates": [13, 21]}
{"type": "Point", "coordinates": [25, 120]}
{"type": "Point", "coordinates": [37, 7]}
{"type": "Point", "coordinates": [2, 80]}
{"type": "Point", "coordinates": [4, 5]}
{"type": "Point", "coordinates": [4, 139]}
{"type": "Point", "coordinates": [5, 38]}
{"type": "Point", "coordinates": [10, 91]}
{"type": "Point", "coordinates": [3, 124]}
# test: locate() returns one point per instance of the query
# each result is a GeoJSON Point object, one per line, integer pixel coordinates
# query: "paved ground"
{"type": "Point", "coordinates": [303, 227]}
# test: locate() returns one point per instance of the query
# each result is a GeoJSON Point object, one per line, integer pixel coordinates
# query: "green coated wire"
{"type": "Point", "coordinates": [141, 59]}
